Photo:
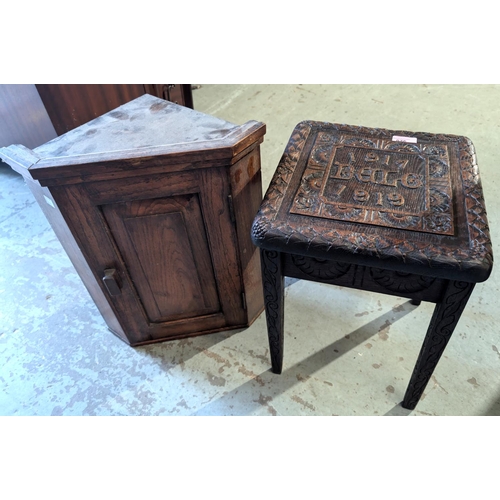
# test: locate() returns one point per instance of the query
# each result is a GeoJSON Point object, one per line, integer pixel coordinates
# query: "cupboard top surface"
{"type": "Point", "coordinates": [144, 122]}
{"type": "Point", "coordinates": [143, 128]}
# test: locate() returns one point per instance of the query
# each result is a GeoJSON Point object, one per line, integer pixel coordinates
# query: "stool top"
{"type": "Point", "coordinates": [397, 200]}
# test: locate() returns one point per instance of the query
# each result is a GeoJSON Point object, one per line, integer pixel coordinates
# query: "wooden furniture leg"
{"type": "Point", "coordinates": [274, 298]}
{"type": "Point", "coordinates": [443, 322]}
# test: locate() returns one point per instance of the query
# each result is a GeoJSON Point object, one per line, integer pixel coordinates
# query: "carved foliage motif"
{"type": "Point", "coordinates": [319, 268]}
{"type": "Point", "coordinates": [281, 179]}
{"type": "Point", "coordinates": [401, 221]}
{"type": "Point", "coordinates": [401, 282]}
{"type": "Point", "coordinates": [343, 212]}
{"type": "Point", "coordinates": [306, 198]}
{"type": "Point", "coordinates": [402, 147]}
{"type": "Point", "coordinates": [357, 141]}
{"type": "Point", "coordinates": [437, 168]}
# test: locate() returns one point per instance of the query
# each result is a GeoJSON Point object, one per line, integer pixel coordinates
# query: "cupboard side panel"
{"type": "Point", "coordinates": [215, 189]}
{"type": "Point", "coordinates": [246, 186]}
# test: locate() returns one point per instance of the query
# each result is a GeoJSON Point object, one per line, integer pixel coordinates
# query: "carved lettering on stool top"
{"type": "Point", "coordinates": [383, 183]}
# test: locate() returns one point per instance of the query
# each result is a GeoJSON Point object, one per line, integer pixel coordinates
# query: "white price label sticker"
{"type": "Point", "coordinates": [400, 138]}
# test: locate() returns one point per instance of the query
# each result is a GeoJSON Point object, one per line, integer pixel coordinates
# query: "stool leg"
{"type": "Point", "coordinates": [273, 282]}
{"type": "Point", "coordinates": [443, 322]}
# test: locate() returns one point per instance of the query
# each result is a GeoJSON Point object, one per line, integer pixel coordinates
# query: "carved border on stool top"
{"type": "Point", "coordinates": [300, 236]}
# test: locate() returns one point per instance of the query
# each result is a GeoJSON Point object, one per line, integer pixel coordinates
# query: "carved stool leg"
{"type": "Point", "coordinates": [443, 322]}
{"type": "Point", "coordinates": [274, 298]}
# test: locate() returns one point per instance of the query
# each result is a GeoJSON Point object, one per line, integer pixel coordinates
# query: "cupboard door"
{"type": "Point", "coordinates": [163, 243]}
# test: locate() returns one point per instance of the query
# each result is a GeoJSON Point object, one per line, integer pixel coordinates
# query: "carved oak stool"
{"type": "Point", "coordinates": [393, 212]}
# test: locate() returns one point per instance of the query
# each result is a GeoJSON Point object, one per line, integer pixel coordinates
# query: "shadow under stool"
{"type": "Point", "coordinates": [392, 212]}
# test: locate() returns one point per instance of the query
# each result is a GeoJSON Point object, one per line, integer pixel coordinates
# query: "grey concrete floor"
{"type": "Point", "coordinates": [347, 352]}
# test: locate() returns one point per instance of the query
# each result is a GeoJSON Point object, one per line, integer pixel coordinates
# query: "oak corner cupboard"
{"type": "Point", "coordinates": [153, 202]}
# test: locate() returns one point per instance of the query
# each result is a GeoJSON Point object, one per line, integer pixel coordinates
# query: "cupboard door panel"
{"type": "Point", "coordinates": [164, 246]}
